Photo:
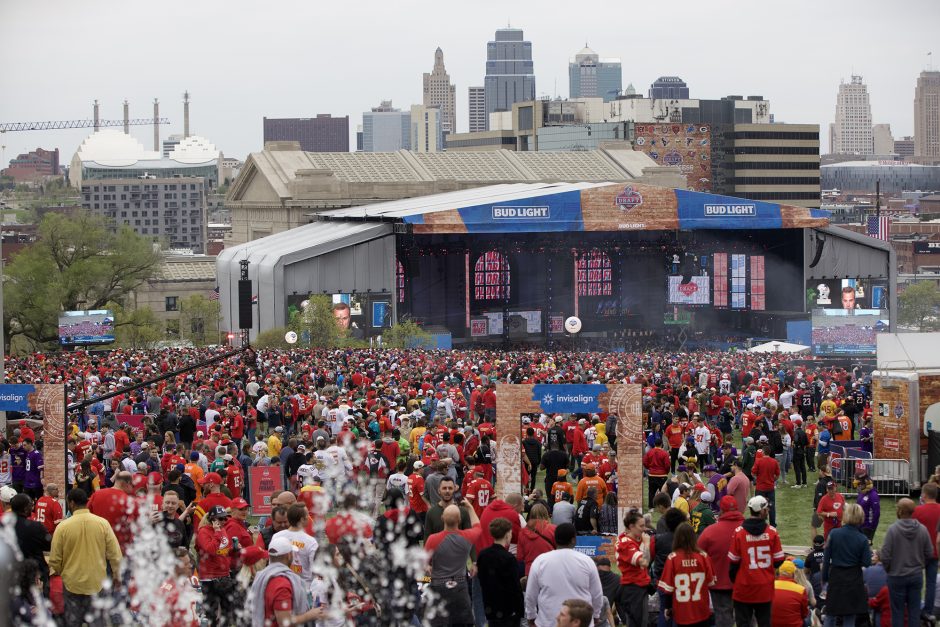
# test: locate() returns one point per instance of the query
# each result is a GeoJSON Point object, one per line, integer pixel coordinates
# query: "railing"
{"type": "Point", "coordinates": [891, 477]}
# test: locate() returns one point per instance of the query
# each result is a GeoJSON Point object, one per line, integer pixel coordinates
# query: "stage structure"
{"type": "Point", "coordinates": [509, 263]}
{"type": "Point", "coordinates": [625, 401]}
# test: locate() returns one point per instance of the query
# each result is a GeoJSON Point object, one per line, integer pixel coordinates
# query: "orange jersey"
{"type": "Point", "coordinates": [559, 488]}
{"type": "Point", "coordinates": [591, 482]}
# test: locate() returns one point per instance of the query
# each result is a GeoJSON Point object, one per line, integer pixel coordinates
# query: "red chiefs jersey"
{"type": "Point", "coordinates": [756, 556]}
{"type": "Point", "coordinates": [688, 577]}
{"type": "Point", "coordinates": [415, 490]}
{"type": "Point", "coordinates": [47, 511]}
{"type": "Point", "coordinates": [235, 479]}
{"type": "Point", "coordinates": [479, 493]}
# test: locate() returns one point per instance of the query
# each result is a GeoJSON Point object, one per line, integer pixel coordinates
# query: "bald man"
{"type": "Point", "coordinates": [448, 551]}
{"type": "Point", "coordinates": [906, 550]}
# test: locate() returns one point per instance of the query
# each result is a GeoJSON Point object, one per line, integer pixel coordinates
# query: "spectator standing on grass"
{"type": "Point", "coordinates": [928, 514]}
{"type": "Point", "coordinates": [739, 486]}
{"type": "Point", "coordinates": [800, 444]}
{"type": "Point", "coordinates": [716, 542]}
{"type": "Point", "coordinates": [847, 552]}
{"type": "Point", "coordinates": [905, 552]}
{"type": "Point", "coordinates": [870, 503]}
{"type": "Point", "coordinates": [633, 556]}
{"type": "Point", "coordinates": [755, 553]}
{"type": "Point", "coordinates": [766, 472]}
{"type": "Point", "coordinates": [499, 582]}
{"type": "Point", "coordinates": [791, 601]}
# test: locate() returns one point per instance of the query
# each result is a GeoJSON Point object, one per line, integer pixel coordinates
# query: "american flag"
{"type": "Point", "coordinates": [879, 227]}
{"type": "Point", "coordinates": [214, 294]}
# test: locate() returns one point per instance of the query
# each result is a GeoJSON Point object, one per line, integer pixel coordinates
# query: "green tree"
{"type": "Point", "coordinates": [405, 334]}
{"type": "Point", "coordinates": [272, 338]}
{"type": "Point", "coordinates": [137, 328]}
{"type": "Point", "coordinates": [76, 263]}
{"type": "Point", "coordinates": [317, 320]}
{"type": "Point", "coordinates": [199, 319]}
{"type": "Point", "coordinates": [917, 306]}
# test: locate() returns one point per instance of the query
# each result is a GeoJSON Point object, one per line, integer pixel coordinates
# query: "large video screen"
{"type": "Point", "coordinates": [83, 328]}
{"type": "Point", "coordinates": [739, 281]}
{"type": "Point", "coordinates": [846, 294]}
{"type": "Point", "coordinates": [847, 331]}
{"type": "Point", "coordinates": [695, 292]}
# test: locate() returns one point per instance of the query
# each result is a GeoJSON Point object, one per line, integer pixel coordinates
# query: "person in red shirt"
{"type": "Point", "coordinates": [716, 542]}
{"type": "Point", "coordinates": [215, 554]}
{"type": "Point", "coordinates": [674, 436]}
{"type": "Point", "coordinates": [754, 555]}
{"type": "Point", "coordinates": [47, 509]}
{"type": "Point", "coordinates": [498, 508]}
{"type": "Point", "coordinates": [686, 580]}
{"type": "Point", "coordinates": [791, 603]}
{"type": "Point", "coordinates": [748, 419]}
{"type": "Point", "coordinates": [657, 463]}
{"type": "Point", "coordinates": [928, 514]}
{"type": "Point", "coordinates": [633, 562]}
{"type": "Point", "coordinates": [579, 442]}
{"type": "Point", "coordinates": [236, 528]}
{"type": "Point", "coordinates": [122, 440]}
{"type": "Point", "coordinates": [766, 471]}
{"type": "Point", "coordinates": [234, 477]}
{"type": "Point", "coordinates": [212, 488]}
{"type": "Point", "coordinates": [830, 508]}
{"type": "Point", "coordinates": [479, 492]}
{"type": "Point", "coordinates": [118, 507]}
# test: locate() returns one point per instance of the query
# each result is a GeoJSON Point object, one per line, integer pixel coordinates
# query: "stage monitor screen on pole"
{"type": "Point", "coordinates": [84, 328]}
{"type": "Point", "coordinates": [847, 332]}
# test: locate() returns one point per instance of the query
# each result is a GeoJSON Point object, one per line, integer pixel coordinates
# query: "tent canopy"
{"type": "Point", "coordinates": [778, 347]}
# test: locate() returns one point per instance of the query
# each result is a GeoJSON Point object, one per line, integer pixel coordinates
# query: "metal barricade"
{"type": "Point", "coordinates": [891, 477]}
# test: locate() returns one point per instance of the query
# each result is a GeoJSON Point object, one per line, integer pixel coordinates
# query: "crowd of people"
{"type": "Point", "coordinates": [386, 510]}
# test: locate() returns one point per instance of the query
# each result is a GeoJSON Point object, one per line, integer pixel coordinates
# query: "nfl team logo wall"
{"type": "Point", "coordinates": [629, 198]}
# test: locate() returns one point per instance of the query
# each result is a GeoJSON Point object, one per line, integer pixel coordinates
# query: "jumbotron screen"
{"type": "Point", "coordinates": [695, 292]}
{"type": "Point", "coordinates": [847, 332]}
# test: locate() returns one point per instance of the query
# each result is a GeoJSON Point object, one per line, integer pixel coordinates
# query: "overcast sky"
{"type": "Point", "coordinates": [243, 59]}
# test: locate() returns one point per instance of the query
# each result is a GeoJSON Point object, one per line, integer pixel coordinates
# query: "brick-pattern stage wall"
{"type": "Point", "coordinates": [623, 400]}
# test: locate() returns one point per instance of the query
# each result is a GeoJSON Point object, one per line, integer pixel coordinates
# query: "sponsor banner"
{"type": "Point", "coordinates": [568, 399]}
{"type": "Point", "coordinates": [479, 327]}
{"type": "Point", "coordinates": [684, 146]}
{"type": "Point", "coordinates": [16, 397]}
{"type": "Point", "coordinates": [263, 482]}
{"type": "Point", "coordinates": [616, 207]}
{"type": "Point", "coordinates": [892, 444]}
{"type": "Point", "coordinates": [46, 403]}
{"type": "Point", "coordinates": [927, 248]}
{"type": "Point", "coordinates": [597, 546]}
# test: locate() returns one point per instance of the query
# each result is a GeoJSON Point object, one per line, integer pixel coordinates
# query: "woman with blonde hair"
{"type": "Point", "coordinates": [847, 553]}
{"type": "Point", "coordinates": [537, 537]}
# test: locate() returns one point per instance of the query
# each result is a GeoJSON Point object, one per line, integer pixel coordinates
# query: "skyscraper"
{"type": "Point", "coordinates": [476, 105]}
{"type": "Point", "coordinates": [439, 92]}
{"type": "Point", "coordinates": [386, 129]}
{"type": "Point", "coordinates": [426, 128]}
{"type": "Point", "coordinates": [323, 133]}
{"type": "Point", "coordinates": [882, 139]}
{"type": "Point", "coordinates": [509, 71]}
{"type": "Point", "coordinates": [851, 132]}
{"type": "Point", "coordinates": [927, 115]}
{"type": "Point", "coordinates": [669, 88]}
{"type": "Point", "coordinates": [589, 76]}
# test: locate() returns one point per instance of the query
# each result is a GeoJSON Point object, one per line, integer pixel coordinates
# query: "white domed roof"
{"type": "Point", "coordinates": [113, 148]}
{"type": "Point", "coordinates": [194, 149]}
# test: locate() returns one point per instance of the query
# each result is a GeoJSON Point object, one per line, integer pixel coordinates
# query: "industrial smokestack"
{"type": "Point", "coordinates": [185, 114]}
{"type": "Point", "coordinates": [97, 120]}
{"type": "Point", "coordinates": [156, 125]}
{"type": "Point", "coordinates": [127, 125]}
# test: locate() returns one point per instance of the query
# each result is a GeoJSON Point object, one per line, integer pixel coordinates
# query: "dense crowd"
{"type": "Point", "coordinates": [383, 511]}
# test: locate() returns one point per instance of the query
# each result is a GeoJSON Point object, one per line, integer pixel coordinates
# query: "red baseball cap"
{"type": "Point", "coordinates": [239, 503]}
{"type": "Point", "coordinates": [727, 503]}
{"type": "Point", "coordinates": [699, 487]}
{"type": "Point", "coordinates": [139, 482]}
{"type": "Point", "coordinates": [212, 477]}
{"type": "Point", "coordinates": [155, 478]}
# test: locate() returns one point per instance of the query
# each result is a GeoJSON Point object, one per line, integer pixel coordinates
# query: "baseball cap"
{"type": "Point", "coordinates": [251, 555]}
{"type": "Point", "coordinates": [819, 540]}
{"type": "Point", "coordinates": [7, 493]}
{"type": "Point", "coordinates": [799, 563]}
{"type": "Point", "coordinates": [418, 465]}
{"type": "Point", "coordinates": [227, 457]}
{"type": "Point", "coordinates": [830, 484]}
{"type": "Point", "coordinates": [563, 472]}
{"type": "Point", "coordinates": [217, 512]}
{"type": "Point", "coordinates": [711, 467]}
{"type": "Point", "coordinates": [763, 438]}
{"type": "Point", "coordinates": [239, 503]}
{"type": "Point", "coordinates": [727, 503]}
{"type": "Point", "coordinates": [757, 503]}
{"type": "Point", "coordinates": [212, 477]}
{"type": "Point", "coordinates": [155, 478]}
{"type": "Point", "coordinates": [280, 547]}
{"type": "Point", "coordinates": [787, 569]}
{"type": "Point", "coordinates": [279, 429]}
{"type": "Point", "coordinates": [699, 487]}
{"type": "Point", "coordinates": [707, 497]}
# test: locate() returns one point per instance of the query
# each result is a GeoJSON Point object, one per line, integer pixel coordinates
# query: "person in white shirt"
{"type": "Point", "coordinates": [305, 544]}
{"type": "Point", "coordinates": [703, 438]}
{"type": "Point", "coordinates": [307, 472]}
{"type": "Point", "coordinates": [398, 480]}
{"type": "Point", "coordinates": [6, 468]}
{"type": "Point", "coordinates": [786, 398]}
{"type": "Point", "coordinates": [559, 575]}
{"type": "Point", "coordinates": [212, 415]}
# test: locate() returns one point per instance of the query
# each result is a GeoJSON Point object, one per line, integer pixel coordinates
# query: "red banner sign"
{"type": "Point", "coordinates": [263, 482]}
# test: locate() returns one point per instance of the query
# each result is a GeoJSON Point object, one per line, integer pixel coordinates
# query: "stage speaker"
{"type": "Point", "coordinates": [820, 242]}
{"type": "Point", "coordinates": [245, 320]}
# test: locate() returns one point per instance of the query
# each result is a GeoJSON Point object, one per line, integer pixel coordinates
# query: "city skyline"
{"type": "Point", "coordinates": [289, 71]}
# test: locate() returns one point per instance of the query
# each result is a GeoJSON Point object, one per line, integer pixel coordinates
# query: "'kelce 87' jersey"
{"type": "Point", "coordinates": [688, 578]}
{"type": "Point", "coordinates": [756, 555]}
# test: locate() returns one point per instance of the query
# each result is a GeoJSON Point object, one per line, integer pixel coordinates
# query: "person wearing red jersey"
{"type": "Point", "coordinates": [118, 507]}
{"type": "Point", "coordinates": [479, 492]}
{"type": "Point", "coordinates": [791, 603]}
{"type": "Point", "coordinates": [674, 436]}
{"type": "Point", "coordinates": [579, 444]}
{"type": "Point", "coordinates": [212, 488]}
{"type": "Point", "coordinates": [47, 509]}
{"type": "Point", "coordinates": [236, 528]}
{"type": "Point", "coordinates": [754, 556]}
{"type": "Point", "coordinates": [686, 580]}
{"type": "Point", "coordinates": [633, 561]}
{"type": "Point", "coordinates": [766, 471]}
{"type": "Point", "coordinates": [234, 477]}
{"type": "Point", "coordinates": [830, 508]}
{"type": "Point", "coordinates": [415, 489]}
{"type": "Point", "coordinates": [214, 547]}
{"type": "Point", "coordinates": [657, 463]}
{"type": "Point", "coordinates": [716, 542]}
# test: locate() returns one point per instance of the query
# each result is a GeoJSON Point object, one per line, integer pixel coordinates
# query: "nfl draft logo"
{"type": "Point", "coordinates": [629, 198]}
{"type": "Point", "coordinates": [688, 289]}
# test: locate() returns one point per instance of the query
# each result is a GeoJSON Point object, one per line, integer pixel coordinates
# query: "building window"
{"type": "Point", "coordinates": [171, 303]}
{"type": "Point", "coordinates": [594, 273]}
{"type": "Point", "coordinates": [400, 280]}
{"type": "Point", "coordinates": [491, 277]}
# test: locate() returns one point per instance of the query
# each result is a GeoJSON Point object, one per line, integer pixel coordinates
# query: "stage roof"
{"type": "Point", "coordinates": [564, 207]}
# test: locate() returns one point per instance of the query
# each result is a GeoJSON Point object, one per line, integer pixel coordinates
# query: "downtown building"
{"type": "Point", "coordinates": [441, 93]}
{"type": "Point", "coordinates": [851, 133]}
{"type": "Point", "coordinates": [510, 77]}
{"type": "Point", "coordinates": [927, 115]}
{"type": "Point", "coordinates": [33, 165]}
{"type": "Point", "coordinates": [322, 133]}
{"type": "Point", "coordinates": [590, 76]}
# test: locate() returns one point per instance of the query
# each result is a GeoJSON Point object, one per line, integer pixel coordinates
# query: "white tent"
{"type": "Point", "coordinates": [778, 347]}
